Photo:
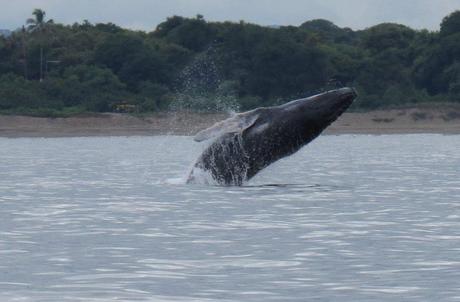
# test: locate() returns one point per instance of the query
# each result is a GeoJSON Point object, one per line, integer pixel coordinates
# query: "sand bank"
{"type": "Point", "coordinates": [444, 120]}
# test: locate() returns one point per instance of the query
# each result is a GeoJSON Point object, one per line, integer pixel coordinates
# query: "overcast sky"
{"type": "Point", "coordinates": [146, 14]}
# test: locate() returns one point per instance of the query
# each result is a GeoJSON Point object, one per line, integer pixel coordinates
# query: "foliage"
{"type": "Point", "coordinates": [195, 64]}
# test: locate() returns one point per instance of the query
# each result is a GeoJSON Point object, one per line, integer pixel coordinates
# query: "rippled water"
{"type": "Point", "coordinates": [348, 218]}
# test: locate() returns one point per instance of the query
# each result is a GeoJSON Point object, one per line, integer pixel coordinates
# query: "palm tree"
{"type": "Point", "coordinates": [38, 24]}
{"type": "Point", "coordinates": [24, 51]}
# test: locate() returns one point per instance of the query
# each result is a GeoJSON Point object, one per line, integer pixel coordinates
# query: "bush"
{"type": "Point", "coordinates": [16, 92]}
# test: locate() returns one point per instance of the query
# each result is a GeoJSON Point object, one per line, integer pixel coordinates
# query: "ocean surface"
{"type": "Point", "coordinates": [347, 218]}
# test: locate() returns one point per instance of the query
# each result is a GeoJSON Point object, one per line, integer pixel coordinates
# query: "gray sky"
{"type": "Point", "coordinates": [146, 14]}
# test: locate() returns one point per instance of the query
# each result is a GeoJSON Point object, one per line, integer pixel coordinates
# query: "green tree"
{"type": "Point", "coordinates": [451, 24]}
{"type": "Point", "coordinates": [194, 34]}
{"type": "Point", "coordinates": [97, 89]}
{"type": "Point", "coordinates": [329, 31]}
{"type": "Point", "coordinates": [387, 35]}
{"type": "Point", "coordinates": [38, 23]}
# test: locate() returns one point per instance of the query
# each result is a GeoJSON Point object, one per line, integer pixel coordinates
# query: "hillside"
{"type": "Point", "coordinates": [51, 69]}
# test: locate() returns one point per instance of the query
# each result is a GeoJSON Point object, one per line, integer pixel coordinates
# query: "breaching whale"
{"type": "Point", "coordinates": [250, 141]}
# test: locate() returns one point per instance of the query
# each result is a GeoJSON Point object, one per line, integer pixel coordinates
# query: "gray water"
{"type": "Point", "coordinates": [348, 218]}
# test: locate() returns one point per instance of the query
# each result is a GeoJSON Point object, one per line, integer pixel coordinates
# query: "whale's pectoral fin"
{"type": "Point", "coordinates": [235, 124]}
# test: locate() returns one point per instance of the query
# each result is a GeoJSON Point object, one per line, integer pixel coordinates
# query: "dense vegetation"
{"type": "Point", "coordinates": [188, 62]}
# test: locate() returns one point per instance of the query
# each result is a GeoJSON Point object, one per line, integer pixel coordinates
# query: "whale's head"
{"type": "Point", "coordinates": [327, 107]}
{"type": "Point", "coordinates": [312, 115]}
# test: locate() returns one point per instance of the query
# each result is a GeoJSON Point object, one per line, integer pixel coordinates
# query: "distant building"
{"type": "Point", "coordinates": [5, 32]}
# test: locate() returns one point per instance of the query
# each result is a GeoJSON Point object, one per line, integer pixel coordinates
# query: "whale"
{"type": "Point", "coordinates": [243, 145]}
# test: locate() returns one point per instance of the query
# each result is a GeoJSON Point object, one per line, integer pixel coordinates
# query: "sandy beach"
{"type": "Point", "coordinates": [444, 120]}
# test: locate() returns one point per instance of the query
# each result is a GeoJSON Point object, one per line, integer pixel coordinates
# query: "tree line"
{"type": "Point", "coordinates": [50, 68]}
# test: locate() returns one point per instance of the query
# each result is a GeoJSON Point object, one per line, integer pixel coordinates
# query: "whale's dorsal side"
{"type": "Point", "coordinates": [235, 124]}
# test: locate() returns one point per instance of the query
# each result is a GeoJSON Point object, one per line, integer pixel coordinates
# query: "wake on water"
{"type": "Point", "coordinates": [199, 176]}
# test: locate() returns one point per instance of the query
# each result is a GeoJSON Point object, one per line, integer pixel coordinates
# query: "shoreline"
{"type": "Point", "coordinates": [442, 120]}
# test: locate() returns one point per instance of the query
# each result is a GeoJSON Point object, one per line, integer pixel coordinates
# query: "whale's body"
{"type": "Point", "coordinates": [250, 141]}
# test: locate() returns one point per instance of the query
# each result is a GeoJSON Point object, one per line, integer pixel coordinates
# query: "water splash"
{"type": "Point", "coordinates": [202, 87]}
{"type": "Point", "coordinates": [172, 181]}
{"type": "Point", "coordinates": [199, 176]}
{"type": "Point", "coordinates": [225, 161]}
